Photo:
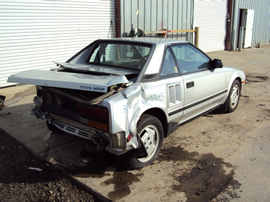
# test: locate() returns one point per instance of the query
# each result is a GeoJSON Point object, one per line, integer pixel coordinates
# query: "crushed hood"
{"type": "Point", "coordinates": [75, 81]}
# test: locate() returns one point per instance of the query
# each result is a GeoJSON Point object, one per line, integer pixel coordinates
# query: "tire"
{"type": "Point", "coordinates": [150, 130]}
{"type": "Point", "coordinates": [52, 128]}
{"type": "Point", "coordinates": [233, 97]}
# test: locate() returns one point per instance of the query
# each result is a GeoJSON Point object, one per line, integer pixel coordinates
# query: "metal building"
{"type": "Point", "coordinates": [219, 20]}
{"type": "Point", "coordinates": [254, 17]}
{"type": "Point", "coordinates": [154, 15]}
{"type": "Point", "coordinates": [34, 33]}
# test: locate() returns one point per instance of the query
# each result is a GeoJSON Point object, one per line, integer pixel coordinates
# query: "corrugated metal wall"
{"type": "Point", "coordinates": [210, 17]}
{"type": "Point", "coordinates": [261, 25]}
{"type": "Point", "coordinates": [153, 15]}
{"type": "Point", "coordinates": [33, 33]}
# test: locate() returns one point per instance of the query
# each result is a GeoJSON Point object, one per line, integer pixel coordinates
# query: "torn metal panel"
{"type": "Point", "coordinates": [130, 104]}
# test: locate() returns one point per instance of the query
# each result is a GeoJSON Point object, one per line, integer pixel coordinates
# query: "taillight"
{"type": "Point", "coordinates": [97, 116]}
{"type": "Point", "coordinates": [93, 113]}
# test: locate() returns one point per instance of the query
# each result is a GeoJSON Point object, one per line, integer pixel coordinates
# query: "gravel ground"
{"type": "Point", "coordinates": [24, 177]}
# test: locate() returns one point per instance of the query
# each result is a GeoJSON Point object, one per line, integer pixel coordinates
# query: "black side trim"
{"type": "Point", "coordinates": [197, 103]}
{"type": "Point", "coordinates": [176, 111]}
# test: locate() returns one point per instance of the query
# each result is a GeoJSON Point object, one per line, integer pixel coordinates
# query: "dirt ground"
{"type": "Point", "coordinates": [217, 157]}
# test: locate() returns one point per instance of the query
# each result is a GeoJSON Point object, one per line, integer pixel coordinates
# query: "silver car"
{"type": "Point", "coordinates": [126, 95]}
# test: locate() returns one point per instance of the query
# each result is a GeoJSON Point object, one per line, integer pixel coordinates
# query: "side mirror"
{"type": "Point", "coordinates": [216, 63]}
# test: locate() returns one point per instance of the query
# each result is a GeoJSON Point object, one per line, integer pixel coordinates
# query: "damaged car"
{"type": "Point", "coordinates": [127, 95]}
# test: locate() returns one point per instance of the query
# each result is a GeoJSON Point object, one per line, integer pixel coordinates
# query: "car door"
{"type": "Point", "coordinates": [170, 75]}
{"type": "Point", "coordinates": [203, 87]}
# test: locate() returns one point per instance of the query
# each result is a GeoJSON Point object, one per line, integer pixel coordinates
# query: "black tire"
{"type": "Point", "coordinates": [150, 130]}
{"type": "Point", "coordinates": [52, 128]}
{"type": "Point", "coordinates": [233, 97]}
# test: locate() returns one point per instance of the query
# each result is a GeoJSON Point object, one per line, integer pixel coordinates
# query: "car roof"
{"type": "Point", "coordinates": [152, 40]}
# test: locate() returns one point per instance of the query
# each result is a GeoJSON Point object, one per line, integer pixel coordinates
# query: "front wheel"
{"type": "Point", "coordinates": [150, 130]}
{"type": "Point", "coordinates": [233, 97]}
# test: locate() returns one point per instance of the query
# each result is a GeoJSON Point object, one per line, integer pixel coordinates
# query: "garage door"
{"type": "Point", "coordinates": [35, 32]}
{"type": "Point", "coordinates": [210, 17]}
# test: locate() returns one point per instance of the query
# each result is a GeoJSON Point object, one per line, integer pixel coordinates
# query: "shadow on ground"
{"type": "Point", "coordinates": [202, 177]}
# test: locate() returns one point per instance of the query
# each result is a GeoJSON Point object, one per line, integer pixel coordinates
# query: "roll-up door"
{"type": "Point", "coordinates": [210, 17]}
{"type": "Point", "coordinates": [33, 33]}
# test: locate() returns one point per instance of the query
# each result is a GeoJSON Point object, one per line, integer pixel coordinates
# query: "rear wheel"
{"type": "Point", "coordinates": [233, 97]}
{"type": "Point", "coordinates": [150, 131]}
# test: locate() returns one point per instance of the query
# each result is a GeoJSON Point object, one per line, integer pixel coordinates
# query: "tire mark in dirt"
{"type": "Point", "coordinates": [256, 78]}
{"type": "Point", "coordinates": [202, 177]}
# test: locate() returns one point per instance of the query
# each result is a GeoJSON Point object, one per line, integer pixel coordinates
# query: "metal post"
{"type": "Point", "coordinates": [118, 18]}
{"type": "Point", "coordinates": [241, 36]}
{"type": "Point", "coordinates": [197, 30]}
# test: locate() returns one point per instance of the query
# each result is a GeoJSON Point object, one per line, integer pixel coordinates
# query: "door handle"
{"type": "Point", "coordinates": [190, 84]}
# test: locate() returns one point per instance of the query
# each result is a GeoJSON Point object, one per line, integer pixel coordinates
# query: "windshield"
{"type": "Point", "coordinates": [124, 55]}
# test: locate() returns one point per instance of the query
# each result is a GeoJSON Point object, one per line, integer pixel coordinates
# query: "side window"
{"type": "Point", "coordinates": [189, 58]}
{"type": "Point", "coordinates": [94, 55]}
{"type": "Point", "coordinates": [168, 67]}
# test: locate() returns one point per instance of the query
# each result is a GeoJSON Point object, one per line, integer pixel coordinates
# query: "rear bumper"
{"type": "Point", "coordinates": [68, 126]}
{"type": "Point", "coordinates": [113, 143]}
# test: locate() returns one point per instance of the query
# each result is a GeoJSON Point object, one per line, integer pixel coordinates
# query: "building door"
{"type": "Point", "coordinates": [249, 28]}
{"type": "Point", "coordinates": [246, 22]}
{"type": "Point", "coordinates": [210, 17]}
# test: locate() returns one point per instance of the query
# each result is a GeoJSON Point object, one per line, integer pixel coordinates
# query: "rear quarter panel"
{"type": "Point", "coordinates": [127, 106]}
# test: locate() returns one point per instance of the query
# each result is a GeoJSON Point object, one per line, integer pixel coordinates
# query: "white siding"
{"type": "Point", "coordinates": [33, 33]}
{"type": "Point", "coordinates": [210, 17]}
